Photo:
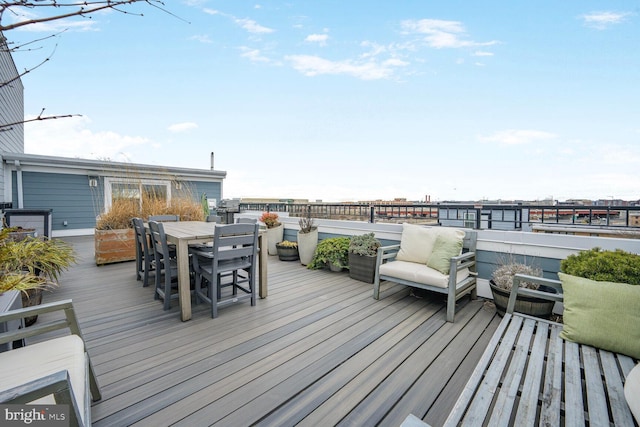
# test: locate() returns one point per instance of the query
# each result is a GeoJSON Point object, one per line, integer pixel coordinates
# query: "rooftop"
{"type": "Point", "coordinates": [319, 350]}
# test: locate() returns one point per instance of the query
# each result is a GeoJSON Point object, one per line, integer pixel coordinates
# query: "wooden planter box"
{"type": "Point", "coordinates": [115, 246]}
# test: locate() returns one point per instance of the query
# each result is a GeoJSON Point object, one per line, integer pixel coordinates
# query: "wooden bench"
{"type": "Point", "coordinates": [529, 376]}
{"type": "Point", "coordinates": [454, 284]}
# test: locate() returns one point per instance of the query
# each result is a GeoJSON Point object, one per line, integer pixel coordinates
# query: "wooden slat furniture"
{"type": "Point", "coordinates": [184, 233]}
{"type": "Point", "coordinates": [454, 289]}
{"type": "Point", "coordinates": [528, 375]}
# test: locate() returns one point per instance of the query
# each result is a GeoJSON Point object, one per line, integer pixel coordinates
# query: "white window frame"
{"type": "Point", "coordinates": [108, 188]}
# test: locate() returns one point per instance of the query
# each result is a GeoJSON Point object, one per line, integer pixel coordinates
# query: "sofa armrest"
{"type": "Point", "coordinates": [555, 284]}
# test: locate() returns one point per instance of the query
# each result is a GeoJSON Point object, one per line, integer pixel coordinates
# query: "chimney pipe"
{"type": "Point", "coordinates": [212, 160]}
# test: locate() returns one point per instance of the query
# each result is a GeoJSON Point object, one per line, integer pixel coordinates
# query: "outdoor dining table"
{"type": "Point", "coordinates": [184, 233]}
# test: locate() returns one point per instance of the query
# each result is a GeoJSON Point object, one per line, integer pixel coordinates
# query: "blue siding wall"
{"type": "Point", "coordinates": [69, 197]}
{"type": "Point", "coordinates": [72, 200]}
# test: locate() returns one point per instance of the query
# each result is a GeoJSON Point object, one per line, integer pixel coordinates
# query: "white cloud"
{"type": "Point", "coordinates": [212, 11]}
{"type": "Point", "coordinates": [182, 127]}
{"type": "Point", "coordinates": [71, 137]}
{"type": "Point", "coordinates": [321, 39]}
{"type": "Point", "coordinates": [441, 34]}
{"type": "Point", "coordinates": [516, 137]}
{"type": "Point", "coordinates": [252, 26]}
{"type": "Point", "coordinates": [603, 20]}
{"type": "Point", "coordinates": [481, 53]}
{"type": "Point", "coordinates": [202, 38]}
{"type": "Point", "coordinates": [370, 70]}
{"type": "Point", "coordinates": [254, 55]}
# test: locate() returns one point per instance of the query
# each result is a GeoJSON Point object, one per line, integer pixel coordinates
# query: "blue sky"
{"type": "Point", "coordinates": [356, 100]}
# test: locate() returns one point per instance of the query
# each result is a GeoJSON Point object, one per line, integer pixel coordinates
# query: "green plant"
{"type": "Point", "coordinates": [334, 250]}
{"type": "Point", "coordinates": [32, 263]}
{"type": "Point", "coordinates": [287, 244]}
{"type": "Point", "coordinates": [502, 276]}
{"type": "Point", "coordinates": [270, 219]}
{"type": "Point", "coordinates": [604, 266]}
{"type": "Point", "coordinates": [365, 244]}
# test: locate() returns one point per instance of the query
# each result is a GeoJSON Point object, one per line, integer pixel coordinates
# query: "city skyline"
{"type": "Point", "coordinates": [350, 102]}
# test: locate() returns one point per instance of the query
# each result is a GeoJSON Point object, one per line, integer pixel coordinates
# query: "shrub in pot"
{"type": "Point", "coordinates": [31, 265]}
{"type": "Point", "coordinates": [275, 231]}
{"type": "Point", "coordinates": [333, 253]}
{"type": "Point", "coordinates": [604, 266]}
{"type": "Point", "coordinates": [363, 251]}
{"type": "Point", "coordinates": [502, 281]}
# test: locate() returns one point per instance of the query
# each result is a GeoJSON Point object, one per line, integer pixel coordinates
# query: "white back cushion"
{"type": "Point", "coordinates": [416, 243]}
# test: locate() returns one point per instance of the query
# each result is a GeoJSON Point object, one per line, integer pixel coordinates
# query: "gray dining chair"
{"type": "Point", "coordinates": [246, 221]}
{"type": "Point", "coordinates": [144, 253]}
{"type": "Point", "coordinates": [164, 218]}
{"type": "Point", "coordinates": [233, 257]}
{"type": "Point", "coordinates": [166, 267]}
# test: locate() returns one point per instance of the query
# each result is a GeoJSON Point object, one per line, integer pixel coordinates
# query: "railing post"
{"type": "Point", "coordinates": [372, 212]}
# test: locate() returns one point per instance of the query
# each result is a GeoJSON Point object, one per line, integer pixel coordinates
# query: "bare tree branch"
{"type": "Point", "coordinates": [7, 126]}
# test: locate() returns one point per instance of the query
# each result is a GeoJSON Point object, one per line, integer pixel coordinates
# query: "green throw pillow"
{"type": "Point", "coordinates": [605, 315]}
{"type": "Point", "coordinates": [446, 247]}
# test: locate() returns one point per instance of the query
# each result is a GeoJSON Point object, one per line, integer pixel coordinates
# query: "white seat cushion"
{"type": "Point", "coordinates": [632, 392]}
{"type": "Point", "coordinates": [38, 360]}
{"type": "Point", "coordinates": [420, 273]}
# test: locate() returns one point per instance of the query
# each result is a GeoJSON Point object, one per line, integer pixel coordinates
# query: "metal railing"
{"type": "Point", "coordinates": [478, 216]}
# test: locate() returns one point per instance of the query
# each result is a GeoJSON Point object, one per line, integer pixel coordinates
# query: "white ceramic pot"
{"type": "Point", "coordinates": [274, 235]}
{"type": "Point", "coordinates": [307, 243]}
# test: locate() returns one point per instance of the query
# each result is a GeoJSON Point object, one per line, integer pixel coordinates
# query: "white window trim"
{"type": "Point", "coordinates": [109, 181]}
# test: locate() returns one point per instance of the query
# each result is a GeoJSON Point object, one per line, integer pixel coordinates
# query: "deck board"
{"type": "Point", "coordinates": [319, 350]}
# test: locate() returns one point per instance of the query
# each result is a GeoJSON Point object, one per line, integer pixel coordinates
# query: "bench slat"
{"type": "Point", "coordinates": [552, 392]}
{"type": "Point", "coordinates": [615, 390]}
{"type": "Point", "coordinates": [508, 391]}
{"type": "Point", "coordinates": [480, 405]}
{"type": "Point", "coordinates": [574, 409]}
{"type": "Point", "coordinates": [596, 403]}
{"type": "Point", "coordinates": [527, 408]}
{"type": "Point", "coordinates": [469, 390]}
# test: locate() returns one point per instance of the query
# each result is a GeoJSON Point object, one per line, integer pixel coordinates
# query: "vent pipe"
{"type": "Point", "coordinates": [212, 160]}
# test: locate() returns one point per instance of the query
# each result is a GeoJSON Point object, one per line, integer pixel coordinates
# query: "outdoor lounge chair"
{"type": "Point", "coordinates": [436, 259]}
{"type": "Point", "coordinates": [57, 370]}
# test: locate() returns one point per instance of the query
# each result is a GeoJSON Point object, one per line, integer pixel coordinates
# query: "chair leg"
{"type": "Point", "coordinates": [214, 298]}
{"type": "Point", "coordinates": [167, 290]}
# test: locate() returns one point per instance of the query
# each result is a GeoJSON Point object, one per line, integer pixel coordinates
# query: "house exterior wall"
{"type": "Point", "coordinates": [11, 108]}
{"type": "Point", "coordinates": [75, 190]}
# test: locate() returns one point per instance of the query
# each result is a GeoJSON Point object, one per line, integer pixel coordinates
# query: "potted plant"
{"type": "Point", "coordinates": [307, 238]}
{"type": "Point", "coordinates": [502, 281]}
{"type": "Point", "coordinates": [31, 265]}
{"type": "Point", "coordinates": [604, 266]}
{"type": "Point", "coordinates": [275, 231]}
{"type": "Point", "coordinates": [333, 253]}
{"type": "Point", "coordinates": [114, 235]}
{"type": "Point", "coordinates": [287, 250]}
{"type": "Point", "coordinates": [363, 252]}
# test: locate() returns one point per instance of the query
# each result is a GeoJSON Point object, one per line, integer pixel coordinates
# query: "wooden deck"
{"type": "Point", "coordinates": [319, 350]}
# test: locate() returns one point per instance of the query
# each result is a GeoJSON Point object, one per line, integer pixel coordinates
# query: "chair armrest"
{"type": "Point", "coordinates": [386, 253]}
{"type": "Point", "coordinates": [517, 290]}
{"type": "Point", "coordinates": [57, 384]}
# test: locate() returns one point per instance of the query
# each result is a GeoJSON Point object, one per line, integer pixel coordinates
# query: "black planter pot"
{"type": "Point", "coordinates": [362, 267]}
{"type": "Point", "coordinates": [287, 253]}
{"type": "Point", "coordinates": [528, 305]}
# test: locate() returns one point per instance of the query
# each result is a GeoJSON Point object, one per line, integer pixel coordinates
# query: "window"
{"type": "Point", "coordinates": [142, 190]}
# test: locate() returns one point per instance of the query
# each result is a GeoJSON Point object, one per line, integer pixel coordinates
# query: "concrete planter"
{"type": "Point", "coordinates": [115, 246]}
{"type": "Point", "coordinates": [274, 235]}
{"type": "Point", "coordinates": [307, 243]}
